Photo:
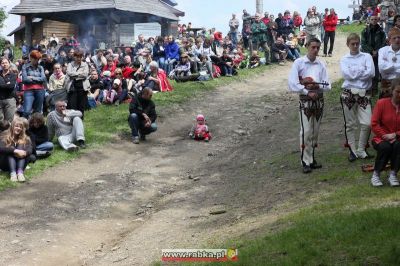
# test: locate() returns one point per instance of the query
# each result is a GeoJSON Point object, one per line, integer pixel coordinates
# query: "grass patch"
{"type": "Point", "coordinates": [104, 123]}
{"type": "Point", "coordinates": [354, 27]}
{"type": "Point", "coordinates": [359, 238]}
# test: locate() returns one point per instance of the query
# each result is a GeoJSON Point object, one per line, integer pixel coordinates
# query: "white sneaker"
{"type": "Point", "coordinates": [13, 177]}
{"type": "Point", "coordinates": [394, 182]}
{"type": "Point", "coordinates": [361, 154]}
{"type": "Point", "coordinates": [21, 177]}
{"type": "Point", "coordinates": [376, 181]}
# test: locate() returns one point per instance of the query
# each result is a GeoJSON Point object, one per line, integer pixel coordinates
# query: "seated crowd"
{"type": "Point", "coordinates": [64, 78]}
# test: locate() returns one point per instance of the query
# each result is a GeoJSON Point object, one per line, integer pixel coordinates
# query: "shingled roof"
{"type": "Point", "coordinates": [153, 7]}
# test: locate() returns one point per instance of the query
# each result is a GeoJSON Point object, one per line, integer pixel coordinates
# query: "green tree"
{"type": "Point", "coordinates": [3, 16]}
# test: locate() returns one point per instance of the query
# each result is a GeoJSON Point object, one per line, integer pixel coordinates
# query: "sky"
{"type": "Point", "coordinates": [216, 13]}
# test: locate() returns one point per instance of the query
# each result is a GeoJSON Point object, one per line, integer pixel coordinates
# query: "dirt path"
{"type": "Point", "coordinates": [121, 205]}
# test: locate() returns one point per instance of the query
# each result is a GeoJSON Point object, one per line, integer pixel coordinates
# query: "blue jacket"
{"type": "Point", "coordinates": [172, 51]}
{"type": "Point", "coordinates": [36, 75]}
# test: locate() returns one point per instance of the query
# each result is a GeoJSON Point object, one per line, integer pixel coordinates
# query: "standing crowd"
{"type": "Point", "coordinates": [369, 61]}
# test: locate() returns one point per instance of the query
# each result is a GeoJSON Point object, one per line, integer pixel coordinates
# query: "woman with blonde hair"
{"type": "Point", "coordinates": [16, 144]}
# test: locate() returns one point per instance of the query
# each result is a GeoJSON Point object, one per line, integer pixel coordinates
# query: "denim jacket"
{"type": "Point", "coordinates": [33, 76]}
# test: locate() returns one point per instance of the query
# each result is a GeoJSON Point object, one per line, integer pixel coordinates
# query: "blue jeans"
{"type": "Point", "coordinates": [137, 124]}
{"type": "Point", "coordinates": [226, 70]}
{"type": "Point", "coordinates": [169, 65]}
{"type": "Point", "coordinates": [233, 36]}
{"type": "Point", "coordinates": [33, 99]}
{"type": "Point", "coordinates": [161, 63]}
{"type": "Point", "coordinates": [46, 146]}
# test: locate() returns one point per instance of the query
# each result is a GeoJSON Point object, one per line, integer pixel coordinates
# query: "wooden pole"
{"type": "Point", "coordinates": [28, 30]}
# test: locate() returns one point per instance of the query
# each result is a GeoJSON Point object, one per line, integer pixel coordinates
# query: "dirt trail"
{"type": "Point", "coordinates": [122, 204]}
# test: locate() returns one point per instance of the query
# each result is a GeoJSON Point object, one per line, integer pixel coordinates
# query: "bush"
{"type": "Point", "coordinates": [2, 42]}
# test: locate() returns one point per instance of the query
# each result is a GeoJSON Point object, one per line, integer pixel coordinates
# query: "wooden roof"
{"type": "Point", "coordinates": [152, 7]}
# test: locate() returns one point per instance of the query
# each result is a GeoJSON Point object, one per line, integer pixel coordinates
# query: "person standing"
{"type": "Point", "coordinates": [309, 78]}
{"type": "Point", "coordinates": [373, 38]}
{"type": "Point", "coordinates": [34, 80]}
{"type": "Point", "coordinates": [8, 80]}
{"type": "Point", "coordinates": [260, 37]}
{"type": "Point", "coordinates": [329, 24]}
{"type": "Point", "coordinates": [357, 70]}
{"type": "Point", "coordinates": [389, 62]}
{"type": "Point", "coordinates": [311, 23]}
{"type": "Point", "coordinates": [234, 26]}
{"type": "Point", "coordinates": [77, 83]}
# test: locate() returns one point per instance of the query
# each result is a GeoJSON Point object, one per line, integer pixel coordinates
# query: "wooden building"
{"type": "Point", "coordinates": [103, 18]}
{"type": "Point", "coordinates": [44, 27]}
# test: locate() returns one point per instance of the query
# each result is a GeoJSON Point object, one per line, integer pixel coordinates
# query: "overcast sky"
{"type": "Point", "coordinates": [216, 13]}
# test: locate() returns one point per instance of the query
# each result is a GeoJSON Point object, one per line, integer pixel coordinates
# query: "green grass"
{"type": "Point", "coordinates": [347, 223]}
{"type": "Point", "coordinates": [109, 122]}
{"type": "Point", "coordinates": [355, 27]}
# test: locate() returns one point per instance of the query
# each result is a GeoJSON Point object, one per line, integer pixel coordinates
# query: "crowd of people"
{"type": "Point", "coordinates": [63, 79]}
{"type": "Point", "coordinates": [362, 69]}
{"type": "Point", "coordinates": [386, 11]}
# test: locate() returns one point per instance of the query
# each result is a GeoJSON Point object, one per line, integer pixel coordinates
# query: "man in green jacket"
{"type": "Point", "coordinates": [373, 38]}
{"type": "Point", "coordinates": [259, 37]}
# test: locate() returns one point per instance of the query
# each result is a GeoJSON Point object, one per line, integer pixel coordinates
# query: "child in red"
{"type": "Point", "coordinates": [200, 130]}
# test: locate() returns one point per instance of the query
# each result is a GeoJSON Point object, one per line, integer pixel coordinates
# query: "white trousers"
{"type": "Point", "coordinates": [311, 112]}
{"type": "Point", "coordinates": [77, 133]}
{"type": "Point", "coordinates": [356, 111]}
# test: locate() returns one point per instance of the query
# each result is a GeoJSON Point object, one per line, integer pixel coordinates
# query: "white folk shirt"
{"type": "Point", "coordinates": [303, 67]}
{"type": "Point", "coordinates": [389, 63]}
{"type": "Point", "coordinates": [357, 71]}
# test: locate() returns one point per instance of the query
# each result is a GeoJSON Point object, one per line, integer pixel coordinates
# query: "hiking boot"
{"type": "Point", "coordinates": [21, 177]}
{"type": "Point", "coordinates": [376, 181]}
{"type": "Point", "coordinates": [352, 157]}
{"type": "Point", "coordinates": [13, 177]}
{"type": "Point", "coordinates": [315, 165]}
{"type": "Point", "coordinates": [81, 144]}
{"type": "Point", "coordinates": [135, 140]}
{"type": "Point", "coordinates": [307, 169]}
{"type": "Point", "coordinates": [393, 181]}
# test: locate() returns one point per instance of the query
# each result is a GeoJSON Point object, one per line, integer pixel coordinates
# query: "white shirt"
{"type": "Point", "coordinates": [357, 71]}
{"type": "Point", "coordinates": [388, 66]}
{"type": "Point", "coordinates": [303, 67]}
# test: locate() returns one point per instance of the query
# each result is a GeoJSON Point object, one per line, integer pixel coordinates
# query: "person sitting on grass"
{"type": "Point", "coordinates": [142, 115]}
{"type": "Point", "coordinates": [226, 64]}
{"type": "Point", "coordinates": [280, 51]}
{"type": "Point", "coordinates": [15, 149]}
{"type": "Point", "coordinates": [39, 134]}
{"type": "Point", "coordinates": [385, 126]}
{"type": "Point", "coordinates": [67, 126]}
{"type": "Point", "coordinates": [254, 60]}
{"type": "Point", "coordinates": [182, 69]}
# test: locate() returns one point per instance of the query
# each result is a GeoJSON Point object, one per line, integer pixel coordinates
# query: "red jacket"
{"type": "Point", "coordinates": [385, 120]}
{"type": "Point", "coordinates": [330, 23]}
{"type": "Point", "coordinates": [164, 83]}
{"type": "Point", "coordinates": [297, 21]}
{"type": "Point", "coordinates": [265, 20]}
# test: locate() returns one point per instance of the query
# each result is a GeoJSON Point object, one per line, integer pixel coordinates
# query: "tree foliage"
{"type": "Point", "coordinates": [3, 16]}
